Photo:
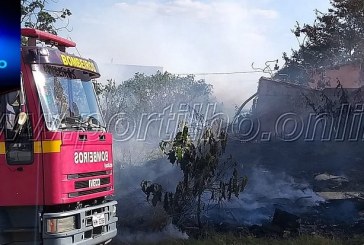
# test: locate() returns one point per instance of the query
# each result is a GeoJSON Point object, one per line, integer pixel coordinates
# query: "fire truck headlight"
{"type": "Point", "coordinates": [113, 211]}
{"type": "Point", "coordinates": [58, 225]}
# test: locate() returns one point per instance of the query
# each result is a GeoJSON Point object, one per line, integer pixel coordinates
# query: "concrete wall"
{"type": "Point", "coordinates": [281, 102]}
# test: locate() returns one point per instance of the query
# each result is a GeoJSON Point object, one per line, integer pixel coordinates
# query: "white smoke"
{"type": "Point", "coordinates": [265, 192]}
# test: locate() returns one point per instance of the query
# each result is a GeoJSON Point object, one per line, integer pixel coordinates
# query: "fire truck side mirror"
{"type": "Point", "coordinates": [22, 118]}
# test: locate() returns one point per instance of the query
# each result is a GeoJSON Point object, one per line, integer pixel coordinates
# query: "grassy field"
{"type": "Point", "coordinates": [233, 240]}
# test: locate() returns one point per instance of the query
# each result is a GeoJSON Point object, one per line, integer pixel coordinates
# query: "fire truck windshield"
{"type": "Point", "coordinates": [67, 98]}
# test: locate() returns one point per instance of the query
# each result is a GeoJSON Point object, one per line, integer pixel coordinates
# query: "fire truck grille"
{"type": "Point", "coordinates": [86, 183]}
{"type": "Point", "coordinates": [82, 193]}
{"type": "Point", "coordinates": [88, 192]}
{"type": "Point", "coordinates": [90, 174]}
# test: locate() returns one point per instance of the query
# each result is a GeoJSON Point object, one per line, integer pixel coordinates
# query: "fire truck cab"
{"type": "Point", "coordinates": [56, 165]}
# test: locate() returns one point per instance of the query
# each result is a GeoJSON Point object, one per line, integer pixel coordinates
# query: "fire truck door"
{"type": "Point", "coordinates": [20, 168]}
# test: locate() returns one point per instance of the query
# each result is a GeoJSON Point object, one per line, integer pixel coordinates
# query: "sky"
{"type": "Point", "coordinates": [190, 36]}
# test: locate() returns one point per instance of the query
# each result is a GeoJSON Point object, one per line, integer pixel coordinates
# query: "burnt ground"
{"type": "Point", "coordinates": [322, 168]}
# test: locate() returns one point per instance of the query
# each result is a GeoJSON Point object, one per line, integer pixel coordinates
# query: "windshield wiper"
{"type": "Point", "coordinates": [94, 123]}
{"type": "Point", "coordinates": [71, 127]}
{"type": "Point", "coordinates": [70, 122]}
{"type": "Point", "coordinates": [93, 126]}
{"type": "Point", "coordinates": [77, 122]}
{"type": "Point", "coordinates": [71, 119]}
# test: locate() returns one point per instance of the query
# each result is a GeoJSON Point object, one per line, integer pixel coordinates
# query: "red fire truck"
{"type": "Point", "coordinates": [56, 165]}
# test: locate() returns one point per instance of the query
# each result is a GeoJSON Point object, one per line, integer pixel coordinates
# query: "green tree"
{"type": "Point", "coordinates": [35, 14]}
{"type": "Point", "coordinates": [204, 176]}
{"type": "Point", "coordinates": [150, 94]}
{"type": "Point", "coordinates": [112, 99]}
{"type": "Point", "coordinates": [335, 38]}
